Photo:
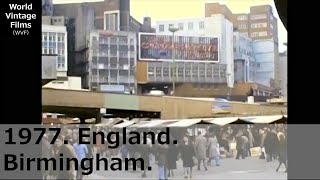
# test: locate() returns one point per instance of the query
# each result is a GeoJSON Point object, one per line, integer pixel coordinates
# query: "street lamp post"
{"type": "Point", "coordinates": [173, 30]}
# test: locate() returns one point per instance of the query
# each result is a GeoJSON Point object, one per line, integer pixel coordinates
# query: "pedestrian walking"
{"type": "Point", "coordinates": [270, 144]}
{"type": "Point", "coordinates": [172, 157]}
{"type": "Point", "coordinates": [200, 150]}
{"type": "Point", "coordinates": [214, 152]}
{"type": "Point", "coordinates": [240, 145]}
{"type": "Point", "coordinates": [187, 154]}
{"type": "Point", "coordinates": [81, 151]}
{"type": "Point", "coordinates": [282, 152]}
{"type": "Point", "coordinates": [68, 152]}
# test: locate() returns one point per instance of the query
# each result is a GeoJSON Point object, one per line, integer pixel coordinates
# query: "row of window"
{"type": "Point", "coordinates": [57, 37]}
{"type": "Point", "coordinates": [253, 26]}
{"type": "Point", "coordinates": [190, 26]}
{"type": "Point", "coordinates": [242, 18]}
{"type": "Point", "coordinates": [254, 17]}
{"type": "Point", "coordinates": [259, 34]}
{"type": "Point", "coordinates": [242, 26]}
{"type": "Point", "coordinates": [259, 25]}
{"type": "Point", "coordinates": [185, 72]}
{"type": "Point", "coordinates": [59, 52]}
{"type": "Point", "coordinates": [113, 74]}
{"type": "Point", "coordinates": [258, 16]}
{"type": "Point", "coordinates": [114, 40]}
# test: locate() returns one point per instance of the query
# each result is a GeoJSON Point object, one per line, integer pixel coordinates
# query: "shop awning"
{"type": "Point", "coordinates": [110, 122]}
{"type": "Point", "coordinates": [138, 124]}
{"type": "Point", "coordinates": [262, 119]}
{"type": "Point", "coordinates": [185, 123]}
{"type": "Point", "coordinates": [157, 123]}
{"type": "Point", "coordinates": [224, 121]}
{"type": "Point", "coordinates": [124, 124]}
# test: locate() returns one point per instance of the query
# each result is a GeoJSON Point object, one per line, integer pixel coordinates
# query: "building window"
{"type": "Point", "coordinates": [201, 25]}
{"type": "Point", "coordinates": [151, 71]}
{"type": "Point", "coordinates": [209, 72]}
{"type": "Point", "coordinates": [161, 28]}
{"type": "Point", "coordinates": [242, 18]}
{"type": "Point", "coordinates": [242, 26]}
{"type": "Point", "coordinates": [166, 71]}
{"type": "Point", "coordinates": [194, 71]}
{"type": "Point", "coordinates": [111, 22]}
{"type": "Point", "coordinates": [180, 26]}
{"type": "Point", "coordinates": [255, 34]}
{"type": "Point", "coordinates": [171, 26]}
{"type": "Point", "coordinates": [190, 26]}
{"type": "Point", "coordinates": [245, 34]}
{"type": "Point", "coordinates": [258, 16]}
{"type": "Point", "coordinates": [263, 33]}
{"type": "Point", "coordinates": [188, 72]}
{"type": "Point", "coordinates": [180, 72]}
{"type": "Point", "coordinates": [202, 70]}
{"type": "Point", "coordinates": [158, 71]}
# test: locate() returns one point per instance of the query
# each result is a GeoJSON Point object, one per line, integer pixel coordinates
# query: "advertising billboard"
{"type": "Point", "coordinates": [155, 47]}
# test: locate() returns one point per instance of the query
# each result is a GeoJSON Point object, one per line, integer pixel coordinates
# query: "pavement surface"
{"type": "Point", "coordinates": [249, 168]}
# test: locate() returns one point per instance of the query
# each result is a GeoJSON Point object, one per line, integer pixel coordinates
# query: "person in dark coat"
{"type": "Point", "coordinates": [282, 152]}
{"type": "Point", "coordinates": [240, 145]}
{"type": "Point", "coordinates": [270, 144]}
{"type": "Point", "coordinates": [172, 158]}
{"type": "Point", "coordinates": [187, 154]}
{"type": "Point", "coordinates": [144, 150]}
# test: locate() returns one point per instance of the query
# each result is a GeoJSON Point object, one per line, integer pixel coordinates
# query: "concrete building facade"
{"type": "Point", "coordinates": [244, 58]}
{"type": "Point", "coordinates": [258, 24]}
{"type": "Point", "coordinates": [284, 73]}
{"type": "Point", "coordinates": [262, 27]}
{"type": "Point", "coordinates": [54, 42]}
{"type": "Point", "coordinates": [216, 26]}
{"type": "Point", "coordinates": [111, 61]}
{"type": "Point", "coordinates": [84, 18]}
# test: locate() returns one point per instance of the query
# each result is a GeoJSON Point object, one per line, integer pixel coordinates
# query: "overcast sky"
{"type": "Point", "coordinates": [172, 9]}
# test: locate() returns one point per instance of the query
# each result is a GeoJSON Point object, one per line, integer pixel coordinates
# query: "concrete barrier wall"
{"type": "Point", "coordinates": [121, 101]}
{"type": "Point", "coordinates": [151, 103]}
{"type": "Point", "coordinates": [70, 98]}
{"type": "Point", "coordinates": [175, 108]}
{"type": "Point", "coordinates": [170, 107]}
{"type": "Point", "coordinates": [252, 109]}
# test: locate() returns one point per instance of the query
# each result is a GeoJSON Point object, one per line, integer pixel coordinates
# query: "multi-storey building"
{"type": "Point", "coordinates": [284, 73]}
{"type": "Point", "coordinates": [215, 26]}
{"type": "Point", "coordinates": [261, 26]}
{"type": "Point", "coordinates": [54, 46]}
{"type": "Point", "coordinates": [84, 18]}
{"type": "Point", "coordinates": [54, 42]}
{"type": "Point", "coordinates": [112, 61]}
{"type": "Point", "coordinates": [244, 59]}
{"type": "Point", "coordinates": [192, 75]}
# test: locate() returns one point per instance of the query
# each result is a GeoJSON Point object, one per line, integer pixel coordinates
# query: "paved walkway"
{"type": "Point", "coordinates": [250, 168]}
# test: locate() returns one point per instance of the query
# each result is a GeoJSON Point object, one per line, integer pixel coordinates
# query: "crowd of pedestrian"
{"type": "Point", "coordinates": [200, 151]}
